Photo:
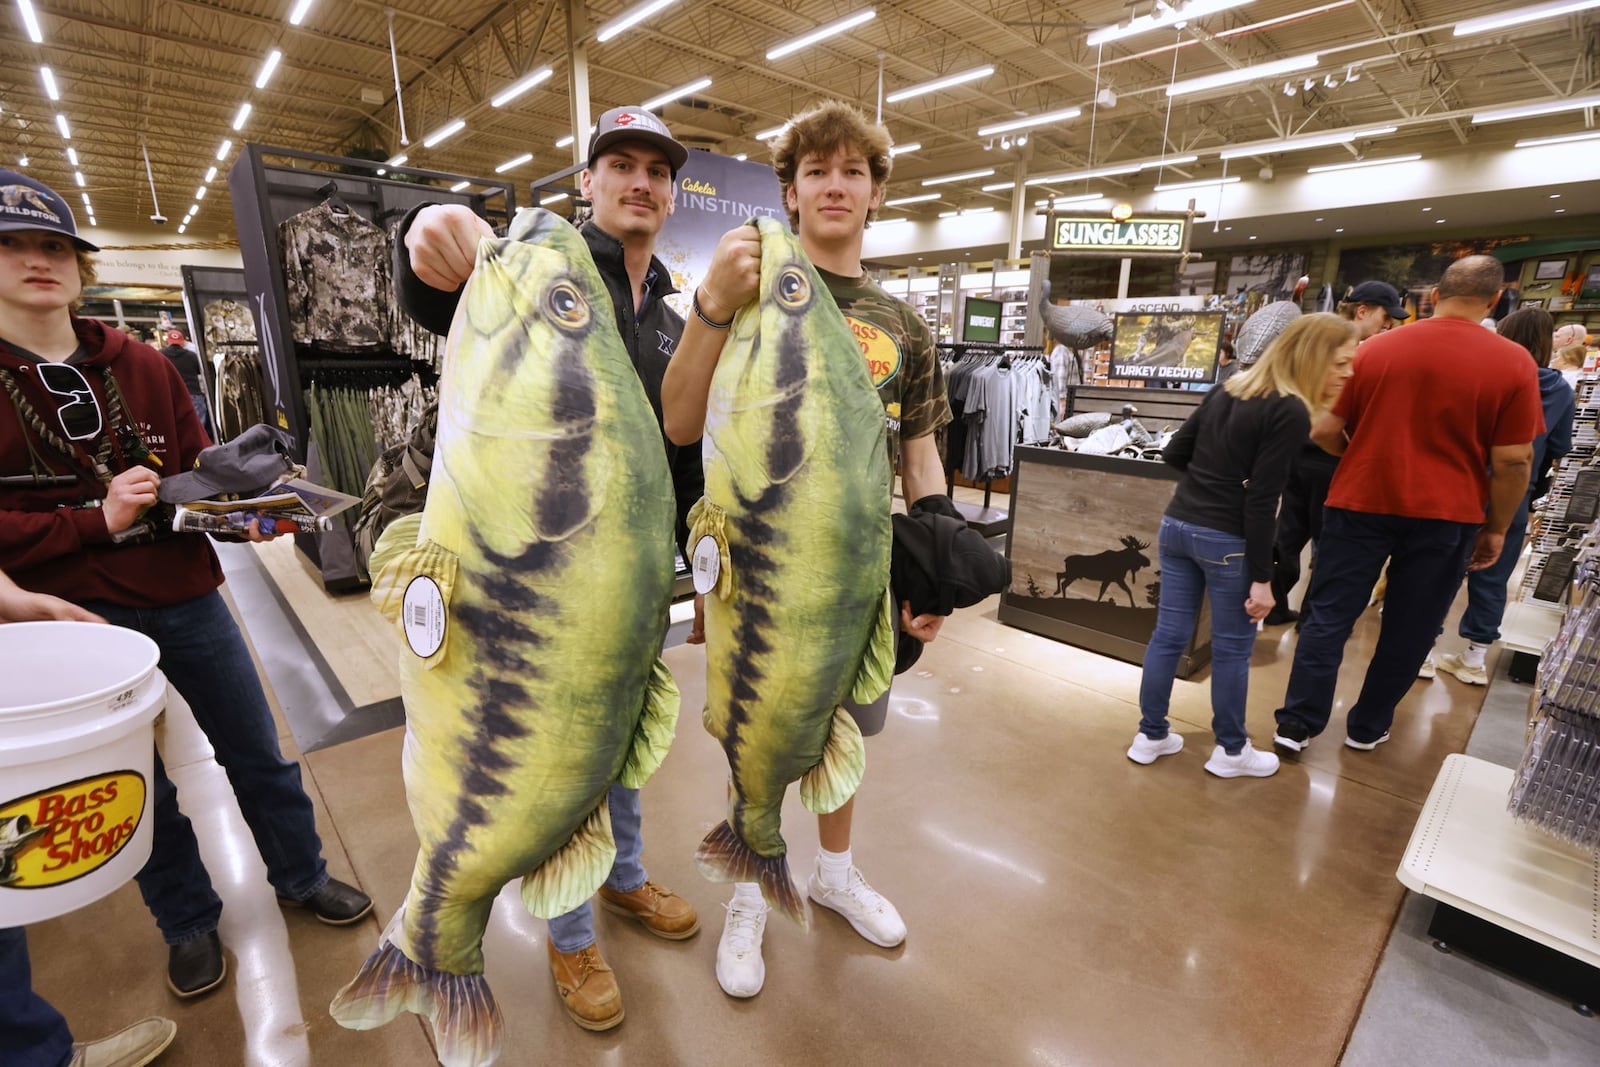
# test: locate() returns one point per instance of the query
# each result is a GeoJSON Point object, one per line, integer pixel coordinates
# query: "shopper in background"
{"type": "Point", "coordinates": [1227, 366]}
{"type": "Point", "coordinates": [1216, 537]}
{"type": "Point", "coordinates": [1486, 589]}
{"type": "Point", "coordinates": [1065, 372]}
{"type": "Point", "coordinates": [1412, 490]}
{"type": "Point", "coordinates": [92, 421]}
{"type": "Point", "coordinates": [1568, 362]}
{"type": "Point", "coordinates": [832, 163]}
{"type": "Point", "coordinates": [1374, 307]}
{"type": "Point", "coordinates": [631, 181]}
{"type": "Point", "coordinates": [187, 360]}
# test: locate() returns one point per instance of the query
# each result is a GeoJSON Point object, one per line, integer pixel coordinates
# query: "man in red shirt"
{"type": "Point", "coordinates": [1436, 423]}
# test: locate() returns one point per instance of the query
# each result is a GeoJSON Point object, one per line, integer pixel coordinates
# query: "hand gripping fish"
{"type": "Point", "coordinates": [797, 504]}
{"type": "Point", "coordinates": [534, 601]}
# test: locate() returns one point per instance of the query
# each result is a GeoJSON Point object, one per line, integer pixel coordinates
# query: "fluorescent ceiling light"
{"type": "Point", "coordinates": [85, 199]}
{"type": "Point", "coordinates": [61, 124]}
{"type": "Point", "coordinates": [965, 211]}
{"type": "Point", "coordinates": [675, 94]}
{"type": "Point", "coordinates": [211, 173]}
{"type": "Point", "coordinates": [1081, 175]}
{"type": "Point", "coordinates": [200, 193]}
{"type": "Point", "coordinates": [244, 113]}
{"type": "Point", "coordinates": [849, 22]}
{"type": "Point", "coordinates": [526, 157]}
{"type": "Point", "coordinates": [1035, 120]}
{"type": "Point", "coordinates": [449, 129]}
{"type": "Point", "coordinates": [997, 186]}
{"type": "Point", "coordinates": [889, 222]}
{"type": "Point", "coordinates": [767, 135]}
{"type": "Point", "coordinates": [1530, 110]}
{"type": "Point", "coordinates": [938, 83]}
{"type": "Point", "coordinates": [268, 67]}
{"type": "Point", "coordinates": [1295, 144]}
{"type": "Point", "coordinates": [223, 150]}
{"type": "Point", "coordinates": [1170, 161]}
{"type": "Point", "coordinates": [299, 13]}
{"type": "Point", "coordinates": [1566, 138]}
{"type": "Point", "coordinates": [194, 209]}
{"type": "Point", "coordinates": [1161, 16]}
{"type": "Point", "coordinates": [72, 155]}
{"type": "Point", "coordinates": [1204, 183]}
{"type": "Point", "coordinates": [1359, 163]}
{"type": "Point", "coordinates": [397, 160]}
{"type": "Point", "coordinates": [629, 19]}
{"type": "Point", "coordinates": [517, 88]}
{"type": "Point", "coordinates": [568, 139]}
{"type": "Point", "coordinates": [458, 186]}
{"type": "Point", "coordinates": [93, 221]}
{"type": "Point", "coordinates": [182, 226]}
{"type": "Point", "coordinates": [901, 149]}
{"type": "Point", "coordinates": [742, 156]}
{"type": "Point", "coordinates": [1517, 16]}
{"type": "Point", "coordinates": [77, 176]}
{"type": "Point", "coordinates": [547, 201]}
{"type": "Point", "coordinates": [49, 83]}
{"type": "Point", "coordinates": [31, 21]}
{"type": "Point", "coordinates": [1063, 201]}
{"type": "Point", "coordinates": [963, 176]}
{"type": "Point", "coordinates": [1244, 74]}
{"type": "Point", "coordinates": [918, 199]}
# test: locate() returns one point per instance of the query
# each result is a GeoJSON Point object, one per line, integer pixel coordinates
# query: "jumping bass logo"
{"type": "Point", "coordinates": [60, 834]}
{"type": "Point", "coordinates": [880, 350]}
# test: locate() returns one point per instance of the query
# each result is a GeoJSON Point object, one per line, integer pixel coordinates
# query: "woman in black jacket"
{"type": "Point", "coordinates": [1235, 452]}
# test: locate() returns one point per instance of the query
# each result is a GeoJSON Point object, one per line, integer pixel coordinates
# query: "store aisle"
{"type": "Point", "coordinates": [1065, 905]}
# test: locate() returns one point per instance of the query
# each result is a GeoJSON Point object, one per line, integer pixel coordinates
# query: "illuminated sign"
{"type": "Point", "coordinates": [1109, 235]}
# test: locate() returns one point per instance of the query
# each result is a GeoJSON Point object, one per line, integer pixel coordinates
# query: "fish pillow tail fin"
{"type": "Point", "coordinates": [576, 871]}
{"type": "Point", "coordinates": [709, 520]}
{"type": "Point", "coordinates": [421, 613]}
{"type": "Point", "coordinates": [399, 536]}
{"type": "Point", "coordinates": [877, 665]}
{"type": "Point", "coordinates": [657, 726]}
{"type": "Point", "coordinates": [724, 857]}
{"type": "Point", "coordinates": [466, 1022]}
{"type": "Point", "coordinates": [836, 777]}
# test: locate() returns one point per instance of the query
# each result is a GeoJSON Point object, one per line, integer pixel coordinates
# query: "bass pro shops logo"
{"type": "Point", "coordinates": [62, 833]}
{"type": "Point", "coordinates": [879, 349]}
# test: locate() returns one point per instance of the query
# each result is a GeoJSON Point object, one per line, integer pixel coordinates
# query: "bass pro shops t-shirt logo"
{"type": "Point", "coordinates": [26, 202]}
{"type": "Point", "coordinates": [881, 352]}
{"type": "Point", "coordinates": [62, 833]}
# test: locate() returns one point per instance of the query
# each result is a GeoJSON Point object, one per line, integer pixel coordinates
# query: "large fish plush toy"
{"type": "Point", "coordinates": [533, 601]}
{"type": "Point", "coordinates": [797, 506]}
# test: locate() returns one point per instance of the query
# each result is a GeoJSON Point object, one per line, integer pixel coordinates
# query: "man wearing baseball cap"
{"type": "Point", "coordinates": [631, 183]}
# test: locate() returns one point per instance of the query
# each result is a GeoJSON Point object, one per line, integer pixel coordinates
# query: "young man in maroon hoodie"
{"type": "Point", "coordinates": [90, 422]}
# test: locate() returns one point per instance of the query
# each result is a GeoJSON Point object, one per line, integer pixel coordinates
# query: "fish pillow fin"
{"type": "Point", "coordinates": [657, 726]}
{"type": "Point", "coordinates": [709, 520]}
{"type": "Point", "coordinates": [466, 1021]}
{"type": "Point", "coordinates": [413, 591]}
{"type": "Point", "coordinates": [398, 536]}
{"type": "Point", "coordinates": [724, 857]}
{"type": "Point", "coordinates": [836, 777]}
{"type": "Point", "coordinates": [576, 871]}
{"type": "Point", "coordinates": [877, 665]}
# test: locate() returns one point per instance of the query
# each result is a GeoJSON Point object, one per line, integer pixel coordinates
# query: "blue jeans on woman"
{"type": "Point", "coordinates": [1486, 589]}
{"type": "Point", "coordinates": [205, 658]}
{"type": "Point", "coordinates": [32, 1033]}
{"type": "Point", "coordinates": [574, 931]}
{"type": "Point", "coordinates": [1196, 561]}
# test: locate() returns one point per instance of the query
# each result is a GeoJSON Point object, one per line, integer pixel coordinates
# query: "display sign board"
{"type": "Point", "coordinates": [1166, 346]}
{"type": "Point", "coordinates": [715, 194]}
{"type": "Point", "coordinates": [980, 319]}
{"type": "Point", "coordinates": [1133, 237]}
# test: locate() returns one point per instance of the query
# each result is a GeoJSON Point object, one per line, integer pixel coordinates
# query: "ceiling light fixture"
{"type": "Point", "coordinates": [526, 157]}
{"type": "Point", "coordinates": [966, 211]}
{"type": "Point", "coordinates": [85, 199]}
{"type": "Point", "coordinates": [211, 173]}
{"type": "Point", "coordinates": [298, 15]}
{"type": "Point", "coordinates": [396, 160]}
{"type": "Point", "coordinates": [49, 83]}
{"type": "Point", "coordinates": [72, 155]}
{"type": "Point", "coordinates": [1032, 120]}
{"type": "Point", "coordinates": [963, 176]}
{"type": "Point", "coordinates": [1527, 111]}
{"type": "Point", "coordinates": [517, 88]}
{"type": "Point", "coordinates": [556, 199]}
{"type": "Point", "coordinates": [901, 149]}
{"type": "Point", "coordinates": [244, 113]}
{"type": "Point", "coordinates": [1204, 183]}
{"type": "Point", "coordinates": [61, 124]}
{"type": "Point", "coordinates": [458, 186]}
{"type": "Point", "coordinates": [1565, 138]}
{"type": "Point", "coordinates": [767, 135]}
{"type": "Point", "coordinates": [1244, 74]}
{"type": "Point", "coordinates": [1170, 161]}
{"type": "Point", "coordinates": [918, 199]}
{"type": "Point", "coordinates": [629, 19]}
{"type": "Point", "coordinates": [200, 193]}
{"type": "Point", "coordinates": [194, 209]}
{"type": "Point", "coordinates": [223, 150]}
{"type": "Point", "coordinates": [938, 83]}
{"type": "Point", "coordinates": [1064, 201]}
{"type": "Point", "coordinates": [1296, 144]}
{"type": "Point", "coordinates": [890, 222]}
{"type": "Point", "coordinates": [449, 129]}
{"type": "Point", "coordinates": [675, 94]}
{"type": "Point", "coordinates": [1328, 168]}
{"type": "Point", "coordinates": [1517, 16]}
{"type": "Point", "coordinates": [30, 21]}
{"type": "Point", "coordinates": [77, 176]}
{"type": "Point", "coordinates": [568, 139]}
{"type": "Point", "coordinates": [1163, 15]}
{"type": "Point", "coordinates": [268, 67]}
{"type": "Point", "coordinates": [741, 157]}
{"type": "Point", "coordinates": [821, 33]}
{"type": "Point", "coordinates": [182, 226]}
{"type": "Point", "coordinates": [1082, 175]}
{"type": "Point", "coordinates": [997, 186]}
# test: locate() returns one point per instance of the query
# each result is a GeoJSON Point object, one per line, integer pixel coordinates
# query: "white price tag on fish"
{"type": "Point", "coordinates": [424, 616]}
{"type": "Point", "coordinates": [707, 565]}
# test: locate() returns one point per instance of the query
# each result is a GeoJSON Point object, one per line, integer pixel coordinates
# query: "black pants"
{"type": "Point", "coordinates": [1300, 517]}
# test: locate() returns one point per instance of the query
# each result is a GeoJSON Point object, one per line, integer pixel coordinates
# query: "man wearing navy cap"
{"type": "Point", "coordinates": [631, 183]}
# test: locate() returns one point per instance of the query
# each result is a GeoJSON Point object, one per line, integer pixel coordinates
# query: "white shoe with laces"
{"type": "Point", "coordinates": [1247, 764]}
{"type": "Point", "coordinates": [866, 909]}
{"type": "Point", "coordinates": [740, 969]}
{"type": "Point", "coordinates": [1451, 663]}
{"type": "Point", "coordinates": [1143, 750]}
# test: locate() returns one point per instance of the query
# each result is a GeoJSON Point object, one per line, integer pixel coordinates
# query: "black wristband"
{"type": "Point", "coordinates": [694, 302]}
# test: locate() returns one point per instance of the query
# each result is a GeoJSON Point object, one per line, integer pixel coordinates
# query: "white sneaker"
{"type": "Point", "coordinates": [1428, 669]}
{"type": "Point", "coordinates": [864, 907]}
{"type": "Point", "coordinates": [1144, 750]}
{"type": "Point", "coordinates": [1365, 746]}
{"type": "Point", "coordinates": [1247, 764]}
{"type": "Point", "coordinates": [740, 969]}
{"type": "Point", "coordinates": [1451, 663]}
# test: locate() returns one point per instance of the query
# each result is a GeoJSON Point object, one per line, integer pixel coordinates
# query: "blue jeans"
{"type": "Point", "coordinates": [1196, 561]}
{"type": "Point", "coordinates": [205, 658]}
{"type": "Point", "coordinates": [574, 931]}
{"type": "Point", "coordinates": [1427, 561]}
{"type": "Point", "coordinates": [32, 1033]}
{"type": "Point", "coordinates": [1486, 589]}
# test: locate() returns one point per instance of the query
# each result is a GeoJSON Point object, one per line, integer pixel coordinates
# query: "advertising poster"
{"type": "Point", "coordinates": [1166, 346]}
{"type": "Point", "coordinates": [715, 194]}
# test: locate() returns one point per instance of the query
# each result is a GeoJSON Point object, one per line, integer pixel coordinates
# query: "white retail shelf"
{"type": "Point", "coordinates": [1467, 852]}
{"type": "Point", "coordinates": [1528, 627]}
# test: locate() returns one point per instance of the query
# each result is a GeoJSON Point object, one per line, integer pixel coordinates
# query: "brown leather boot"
{"type": "Point", "coordinates": [588, 988]}
{"type": "Point", "coordinates": [663, 912]}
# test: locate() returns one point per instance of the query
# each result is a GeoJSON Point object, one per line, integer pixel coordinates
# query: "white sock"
{"type": "Point", "coordinates": [833, 868]}
{"type": "Point", "coordinates": [747, 894]}
{"type": "Point", "coordinates": [1473, 656]}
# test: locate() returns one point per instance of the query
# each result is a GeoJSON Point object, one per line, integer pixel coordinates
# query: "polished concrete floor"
{"type": "Point", "coordinates": [1065, 906]}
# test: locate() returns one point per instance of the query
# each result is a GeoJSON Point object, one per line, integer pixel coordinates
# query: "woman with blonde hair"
{"type": "Point", "coordinates": [1216, 537]}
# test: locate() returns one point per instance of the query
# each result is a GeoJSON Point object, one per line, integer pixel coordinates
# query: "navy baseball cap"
{"type": "Point", "coordinates": [636, 124]}
{"type": "Point", "coordinates": [1380, 295]}
{"type": "Point", "coordinates": [26, 204]}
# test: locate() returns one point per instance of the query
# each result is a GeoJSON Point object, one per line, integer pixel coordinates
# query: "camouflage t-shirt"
{"type": "Point", "coordinates": [336, 276]}
{"type": "Point", "coordinates": [900, 355]}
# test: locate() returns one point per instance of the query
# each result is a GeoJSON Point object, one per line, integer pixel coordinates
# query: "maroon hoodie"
{"type": "Point", "coordinates": [49, 542]}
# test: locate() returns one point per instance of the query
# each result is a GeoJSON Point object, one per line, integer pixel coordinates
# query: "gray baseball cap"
{"type": "Point", "coordinates": [26, 204]}
{"type": "Point", "coordinates": [246, 466]}
{"type": "Point", "coordinates": [636, 124]}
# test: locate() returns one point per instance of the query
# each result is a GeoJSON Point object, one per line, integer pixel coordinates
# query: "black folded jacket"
{"type": "Point", "coordinates": [939, 563]}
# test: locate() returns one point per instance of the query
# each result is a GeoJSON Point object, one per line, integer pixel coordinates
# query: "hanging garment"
{"type": "Point", "coordinates": [240, 391]}
{"type": "Point", "coordinates": [336, 276]}
{"type": "Point", "coordinates": [225, 321]}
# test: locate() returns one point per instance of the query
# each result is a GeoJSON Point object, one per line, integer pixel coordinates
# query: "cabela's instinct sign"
{"type": "Point", "coordinates": [1108, 235]}
{"type": "Point", "coordinates": [65, 832]}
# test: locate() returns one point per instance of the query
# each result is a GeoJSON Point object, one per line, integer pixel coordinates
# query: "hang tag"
{"type": "Point", "coordinates": [707, 564]}
{"type": "Point", "coordinates": [424, 616]}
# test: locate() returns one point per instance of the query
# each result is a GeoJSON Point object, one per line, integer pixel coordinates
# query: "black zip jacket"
{"type": "Point", "coordinates": [650, 338]}
{"type": "Point", "coordinates": [939, 563]}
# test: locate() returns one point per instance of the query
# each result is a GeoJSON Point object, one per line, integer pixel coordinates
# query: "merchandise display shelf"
{"type": "Point", "coordinates": [1528, 627]}
{"type": "Point", "coordinates": [1468, 853]}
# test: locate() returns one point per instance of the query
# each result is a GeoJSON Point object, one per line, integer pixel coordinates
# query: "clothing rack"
{"type": "Point", "coordinates": [988, 520]}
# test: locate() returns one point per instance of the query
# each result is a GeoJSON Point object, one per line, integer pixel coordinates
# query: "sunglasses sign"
{"type": "Point", "coordinates": [1129, 237]}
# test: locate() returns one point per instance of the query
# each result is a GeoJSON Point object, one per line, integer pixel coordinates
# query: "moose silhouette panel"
{"type": "Point", "coordinates": [1110, 567]}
